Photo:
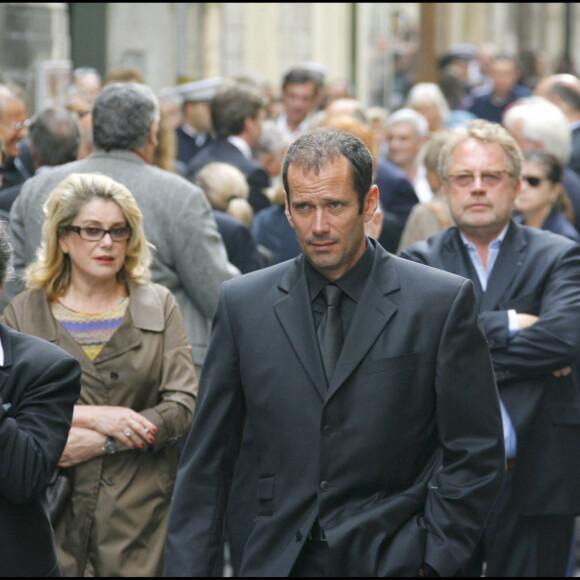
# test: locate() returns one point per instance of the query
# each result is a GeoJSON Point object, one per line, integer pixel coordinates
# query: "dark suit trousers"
{"type": "Point", "coordinates": [521, 546]}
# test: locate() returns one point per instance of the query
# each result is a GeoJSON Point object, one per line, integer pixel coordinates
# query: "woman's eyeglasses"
{"type": "Point", "coordinates": [97, 234]}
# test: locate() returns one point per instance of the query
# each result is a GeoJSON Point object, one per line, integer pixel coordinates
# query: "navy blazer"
{"type": "Point", "coordinates": [39, 385]}
{"type": "Point", "coordinates": [536, 272]}
{"type": "Point", "coordinates": [396, 192]}
{"type": "Point", "coordinates": [222, 150]}
{"type": "Point", "coordinates": [400, 455]}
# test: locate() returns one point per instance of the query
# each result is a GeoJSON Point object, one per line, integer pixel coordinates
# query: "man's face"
{"type": "Point", "coordinates": [299, 99]}
{"type": "Point", "coordinates": [198, 116]}
{"type": "Point", "coordinates": [404, 145]}
{"type": "Point", "coordinates": [504, 75]}
{"type": "Point", "coordinates": [324, 211]}
{"type": "Point", "coordinates": [483, 207]}
{"type": "Point", "coordinates": [12, 129]}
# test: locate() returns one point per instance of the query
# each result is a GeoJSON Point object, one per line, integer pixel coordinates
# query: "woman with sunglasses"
{"type": "Point", "coordinates": [542, 202]}
{"type": "Point", "coordinates": [89, 292]}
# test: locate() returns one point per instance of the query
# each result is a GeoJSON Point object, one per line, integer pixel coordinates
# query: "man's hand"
{"type": "Point", "coordinates": [526, 320]}
{"type": "Point", "coordinates": [562, 372]}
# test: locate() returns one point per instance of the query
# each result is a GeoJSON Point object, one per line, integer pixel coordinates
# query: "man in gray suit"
{"type": "Point", "coordinates": [380, 454]}
{"type": "Point", "coordinates": [189, 257]}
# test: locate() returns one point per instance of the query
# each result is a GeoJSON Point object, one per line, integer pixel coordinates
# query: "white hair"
{"type": "Point", "coordinates": [428, 93]}
{"type": "Point", "coordinates": [541, 121]}
{"type": "Point", "coordinates": [410, 116]}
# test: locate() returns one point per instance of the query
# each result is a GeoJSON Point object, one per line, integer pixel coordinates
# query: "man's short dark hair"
{"type": "Point", "coordinates": [232, 104]}
{"type": "Point", "coordinates": [122, 116]}
{"type": "Point", "coordinates": [6, 269]}
{"type": "Point", "coordinates": [315, 149]}
{"type": "Point", "coordinates": [56, 136]}
{"type": "Point", "coordinates": [300, 76]}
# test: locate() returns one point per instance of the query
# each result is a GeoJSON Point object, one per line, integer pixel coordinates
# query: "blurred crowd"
{"type": "Point", "coordinates": [204, 160]}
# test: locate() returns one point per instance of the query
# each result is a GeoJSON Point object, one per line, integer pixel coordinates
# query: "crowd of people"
{"type": "Point", "coordinates": [205, 239]}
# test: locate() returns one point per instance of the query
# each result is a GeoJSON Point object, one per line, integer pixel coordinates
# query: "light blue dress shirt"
{"type": "Point", "coordinates": [483, 273]}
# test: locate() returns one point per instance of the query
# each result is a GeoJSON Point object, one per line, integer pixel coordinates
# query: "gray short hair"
{"type": "Point", "coordinates": [410, 116]}
{"type": "Point", "coordinates": [6, 253]}
{"type": "Point", "coordinates": [56, 136]}
{"type": "Point", "coordinates": [484, 132]}
{"type": "Point", "coordinates": [542, 121]}
{"type": "Point", "coordinates": [122, 116]}
{"type": "Point", "coordinates": [272, 139]}
{"type": "Point", "coordinates": [423, 93]}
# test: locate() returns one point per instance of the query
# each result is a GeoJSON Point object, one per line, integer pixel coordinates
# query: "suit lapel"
{"type": "Point", "coordinates": [373, 312]}
{"type": "Point", "coordinates": [456, 261]}
{"type": "Point", "coordinates": [295, 315]}
{"type": "Point", "coordinates": [507, 265]}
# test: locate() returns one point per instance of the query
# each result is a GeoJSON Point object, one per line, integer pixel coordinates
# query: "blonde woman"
{"type": "Point", "coordinates": [227, 190]}
{"type": "Point", "coordinates": [89, 293]}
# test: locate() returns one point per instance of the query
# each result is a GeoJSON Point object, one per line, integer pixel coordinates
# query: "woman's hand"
{"type": "Point", "coordinates": [82, 445]}
{"type": "Point", "coordinates": [131, 429]}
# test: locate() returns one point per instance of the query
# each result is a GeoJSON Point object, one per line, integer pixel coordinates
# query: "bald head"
{"type": "Point", "coordinates": [545, 87]}
{"type": "Point", "coordinates": [564, 91]}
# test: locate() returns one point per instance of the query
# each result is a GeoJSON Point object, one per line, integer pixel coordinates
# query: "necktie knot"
{"type": "Point", "coordinates": [332, 295]}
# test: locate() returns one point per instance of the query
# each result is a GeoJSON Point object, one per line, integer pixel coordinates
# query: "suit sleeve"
{"type": "Point", "coordinates": [195, 528]}
{"type": "Point", "coordinates": [34, 429]}
{"type": "Point", "coordinates": [201, 261]}
{"type": "Point", "coordinates": [468, 416]}
{"type": "Point", "coordinates": [553, 342]}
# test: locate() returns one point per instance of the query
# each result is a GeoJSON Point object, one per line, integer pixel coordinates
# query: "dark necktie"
{"type": "Point", "coordinates": [330, 328]}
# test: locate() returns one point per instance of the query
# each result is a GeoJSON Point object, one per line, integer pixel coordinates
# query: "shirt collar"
{"type": "Point", "coordinates": [351, 283]}
{"type": "Point", "coordinates": [242, 145]}
{"type": "Point", "coordinates": [494, 245]}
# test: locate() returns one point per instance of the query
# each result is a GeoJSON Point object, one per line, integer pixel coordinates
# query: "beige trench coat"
{"type": "Point", "coordinates": [115, 523]}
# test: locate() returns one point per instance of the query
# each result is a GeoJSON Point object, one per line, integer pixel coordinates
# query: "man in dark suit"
{"type": "Point", "coordinates": [564, 91]}
{"type": "Point", "coordinates": [13, 132]}
{"type": "Point", "coordinates": [527, 285]}
{"type": "Point", "coordinates": [195, 132]}
{"type": "Point", "coordinates": [237, 111]}
{"type": "Point", "coordinates": [55, 138]}
{"type": "Point", "coordinates": [379, 457]}
{"type": "Point", "coordinates": [39, 385]}
{"type": "Point", "coordinates": [491, 103]}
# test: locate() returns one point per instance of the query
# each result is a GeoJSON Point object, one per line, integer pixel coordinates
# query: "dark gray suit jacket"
{"type": "Point", "coordinates": [39, 385]}
{"type": "Point", "coordinates": [536, 272]}
{"type": "Point", "coordinates": [400, 456]}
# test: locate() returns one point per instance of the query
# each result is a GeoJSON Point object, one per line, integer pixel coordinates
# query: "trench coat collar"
{"type": "Point", "coordinates": [373, 313]}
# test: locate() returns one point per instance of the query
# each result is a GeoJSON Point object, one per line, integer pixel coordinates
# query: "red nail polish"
{"type": "Point", "coordinates": [133, 446]}
{"type": "Point", "coordinates": [142, 444]}
{"type": "Point", "coordinates": [154, 430]}
{"type": "Point", "coordinates": [151, 440]}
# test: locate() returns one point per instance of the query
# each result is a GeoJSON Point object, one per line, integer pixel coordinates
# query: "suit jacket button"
{"type": "Point", "coordinates": [114, 376]}
{"type": "Point", "coordinates": [328, 430]}
{"type": "Point", "coordinates": [110, 481]}
{"type": "Point", "coordinates": [324, 485]}
{"type": "Point", "coordinates": [298, 536]}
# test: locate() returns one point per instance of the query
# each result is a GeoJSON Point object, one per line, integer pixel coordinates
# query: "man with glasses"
{"type": "Point", "coordinates": [528, 291]}
{"type": "Point", "coordinates": [13, 130]}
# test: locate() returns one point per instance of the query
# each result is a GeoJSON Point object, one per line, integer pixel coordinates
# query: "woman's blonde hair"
{"type": "Point", "coordinates": [52, 269]}
{"type": "Point", "coordinates": [226, 189]}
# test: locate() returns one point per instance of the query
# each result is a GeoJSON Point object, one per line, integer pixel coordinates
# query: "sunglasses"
{"type": "Point", "coordinates": [533, 181]}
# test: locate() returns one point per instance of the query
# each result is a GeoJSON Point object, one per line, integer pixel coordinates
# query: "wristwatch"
{"type": "Point", "coordinates": [111, 446]}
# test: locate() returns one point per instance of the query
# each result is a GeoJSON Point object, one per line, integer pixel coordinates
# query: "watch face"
{"type": "Point", "coordinates": [110, 446]}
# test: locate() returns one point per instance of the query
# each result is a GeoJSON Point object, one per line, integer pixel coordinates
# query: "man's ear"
{"type": "Point", "coordinates": [287, 210]}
